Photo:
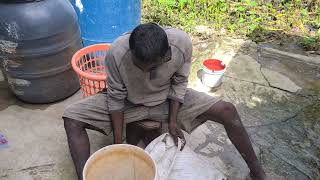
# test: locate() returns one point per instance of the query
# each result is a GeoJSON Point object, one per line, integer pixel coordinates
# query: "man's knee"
{"type": "Point", "coordinates": [72, 125]}
{"type": "Point", "coordinates": [228, 114]}
{"type": "Point", "coordinates": [68, 122]}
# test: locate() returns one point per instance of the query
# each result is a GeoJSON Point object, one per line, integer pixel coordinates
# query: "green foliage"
{"type": "Point", "coordinates": [239, 17]}
{"type": "Point", "coordinates": [310, 43]}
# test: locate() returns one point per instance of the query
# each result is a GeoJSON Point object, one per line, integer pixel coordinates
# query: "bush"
{"type": "Point", "coordinates": [242, 17]}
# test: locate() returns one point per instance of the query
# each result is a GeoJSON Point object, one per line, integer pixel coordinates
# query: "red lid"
{"type": "Point", "coordinates": [214, 64]}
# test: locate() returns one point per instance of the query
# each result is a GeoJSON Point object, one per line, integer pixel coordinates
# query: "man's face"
{"type": "Point", "coordinates": [153, 63]}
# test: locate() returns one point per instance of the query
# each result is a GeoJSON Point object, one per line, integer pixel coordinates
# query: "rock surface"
{"type": "Point", "coordinates": [278, 101]}
{"type": "Point", "coordinates": [245, 68]}
{"type": "Point", "coordinates": [280, 81]}
{"type": "Point", "coordinates": [300, 69]}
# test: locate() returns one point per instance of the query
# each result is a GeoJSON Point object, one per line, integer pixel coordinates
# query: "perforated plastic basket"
{"type": "Point", "coordinates": [90, 65]}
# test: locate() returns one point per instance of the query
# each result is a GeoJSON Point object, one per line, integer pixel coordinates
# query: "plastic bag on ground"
{"type": "Point", "coordinates": [173, 164]}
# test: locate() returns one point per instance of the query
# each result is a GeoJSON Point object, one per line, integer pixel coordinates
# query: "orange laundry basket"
{"type": "Point", "coordinates": [90, 64]}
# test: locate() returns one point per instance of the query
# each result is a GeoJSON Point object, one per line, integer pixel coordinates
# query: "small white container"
{"type": "Point", "coordinates": [212, 76]}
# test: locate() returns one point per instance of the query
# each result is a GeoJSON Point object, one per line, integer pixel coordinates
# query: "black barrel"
{"type": "Point", "coordinates": [37, 41]}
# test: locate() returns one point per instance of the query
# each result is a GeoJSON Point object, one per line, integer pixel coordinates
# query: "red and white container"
{"type": "Point", "coordinates": [213, 71]}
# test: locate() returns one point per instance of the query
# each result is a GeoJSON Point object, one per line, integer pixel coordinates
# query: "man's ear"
{"type": "Point", "coordinates": [167, 56]}
{"type": "Point", "coordinates": [133, 52]}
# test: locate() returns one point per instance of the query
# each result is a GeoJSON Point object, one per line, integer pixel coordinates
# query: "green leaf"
{"type": "Point", "coordinates": [252, 27]}
{"type": "Point", "coordinates": [224, 8]}
{"type": "Point", "coordinates": [241, 20]}
{"type": "Point", "coordinates": [233, 27]}
{"type": "Point", "coordinates": [168, 3]}
{"type": "Point", "coordinates": [240, 9]}
{"type": "Point", "coordinates": [269, 5]}
{"type": "Point", "coordinates": [304, 12]}
{"type": "Point", "coordinates": [298, 1]}
{"type": "Point", "coordinates": [182, 3]}
{"type": "Point", "coordinates": [253, 3]}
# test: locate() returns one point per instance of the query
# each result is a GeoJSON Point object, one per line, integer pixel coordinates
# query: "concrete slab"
{"type": "Point", "coordinates": [245, 68]}
{"type": "Point", "coordinates": [37, 143]}
{"type": "Point", "coordinates": [278, 80]}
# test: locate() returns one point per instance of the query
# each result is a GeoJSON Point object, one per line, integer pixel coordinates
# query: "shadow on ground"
{"type": "Point", "coordinates": [7, 98]}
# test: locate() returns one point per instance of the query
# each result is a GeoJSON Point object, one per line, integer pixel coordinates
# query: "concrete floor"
{"type": "Point", "coordinates": [37, 143]}
{"type": "Point", "coordinates": [38, 149]}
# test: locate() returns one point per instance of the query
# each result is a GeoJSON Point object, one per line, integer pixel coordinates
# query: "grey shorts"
{"type": "Point", "coordinates": [94, 111]}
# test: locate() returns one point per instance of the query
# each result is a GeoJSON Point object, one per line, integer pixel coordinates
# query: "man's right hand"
{"type": "Point", "coordinates": [117, 123]}
{"type": "Point", "coordinates": [177, 133]}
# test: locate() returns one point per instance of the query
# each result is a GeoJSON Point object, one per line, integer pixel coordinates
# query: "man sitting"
{"type": "Point", "coordinates": [148, 73]}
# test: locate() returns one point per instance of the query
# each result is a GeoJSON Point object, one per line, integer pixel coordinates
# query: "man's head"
{"type": "Point", "coordinates": [149, 45]}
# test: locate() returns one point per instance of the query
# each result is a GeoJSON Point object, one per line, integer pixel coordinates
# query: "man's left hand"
{"type": "Point", "coordinates": [176, 133]}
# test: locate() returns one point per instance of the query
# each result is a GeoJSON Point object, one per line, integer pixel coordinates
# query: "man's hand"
{"type": "Point", "coordinates": [176, 133]}
{"type": "Point", "coordinates": [174, 130]}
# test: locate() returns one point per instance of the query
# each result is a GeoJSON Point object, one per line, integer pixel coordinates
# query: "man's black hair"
{"type": "Point", "coordinates": [148, 42]}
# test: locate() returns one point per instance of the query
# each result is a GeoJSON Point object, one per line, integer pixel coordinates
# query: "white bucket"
{"type": "Point", "coordinates": [120, 162]}
{"type": "Point", "coordinates": [212, 78]}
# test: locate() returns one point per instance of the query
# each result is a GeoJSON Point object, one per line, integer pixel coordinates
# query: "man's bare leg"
{"type": "Point", "coordinates": [225, 113]}
{"type": "Point", "coordinates": [78, 141]}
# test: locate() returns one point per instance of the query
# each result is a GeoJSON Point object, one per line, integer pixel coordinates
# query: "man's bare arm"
{"type": "Point", "coordinates": [174, 130]}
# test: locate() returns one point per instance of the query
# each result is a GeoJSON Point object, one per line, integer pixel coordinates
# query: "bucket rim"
{"type": "Point", "coordinates": [119, 145]}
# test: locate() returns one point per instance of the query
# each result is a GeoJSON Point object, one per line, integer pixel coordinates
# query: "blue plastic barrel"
{"type": "Point", "coordinates": [102, 21]}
